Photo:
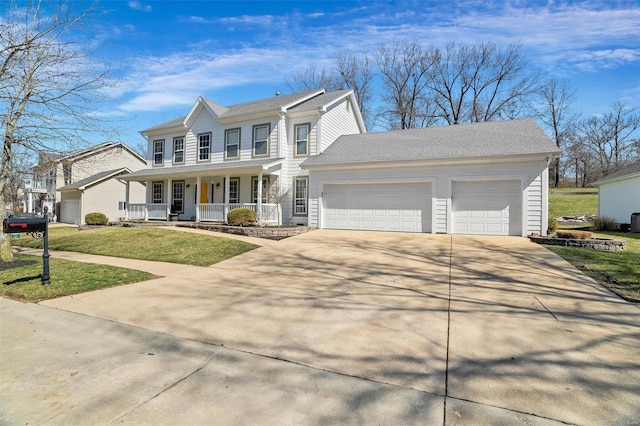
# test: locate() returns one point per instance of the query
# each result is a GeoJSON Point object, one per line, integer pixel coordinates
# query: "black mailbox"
{"type": "Point", "coordinates": [24, 225]}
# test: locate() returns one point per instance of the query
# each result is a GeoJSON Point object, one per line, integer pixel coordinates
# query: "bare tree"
{"type": "Point", "coordinates": [48, 83]}
{"type": "Point", "coordinates": [481, 82]}
{"type": "Point", "coordinates": [607, 143]}
{"type": "Point", "coordinates": [406, 71]}
{"type": "Point", "coordinates": [554, 111]}
{"type": "Point", "coordinates": [278, 194]}
{"type": "Point", "coordinates": [356, 73]}
{"type": "Point", "coordinates": [349, 71]}
{"type": "Point", "coordinates": [311, 79]}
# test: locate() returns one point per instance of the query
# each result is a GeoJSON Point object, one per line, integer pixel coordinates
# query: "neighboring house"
{"type": "Point", "coordinates": [484, 178]}
{"type": "Point", "coordinates": [57, 171]}
{"type": "Point", "coordinates": [619, 194]}
{"type": "Point", "coordinates": [217, 158]}
{"type": "Point", "coordinates": [101, 193]}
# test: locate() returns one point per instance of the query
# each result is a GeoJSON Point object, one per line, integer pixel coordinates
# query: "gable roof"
{"type": "Point", "coordinates": [631, 171]}
{"type": "Point", "coordinates": [308, 100]}
{"type": "Point", "coordinates": [488, 139]}
{"type": "Point", "coordinates": [94, 179]}
{"type": "Point", "coordinates": [77, 155]}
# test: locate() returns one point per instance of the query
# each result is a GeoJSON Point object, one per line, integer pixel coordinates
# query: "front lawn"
{"type": "Point", "coordinates": [21, 278]}
{"type": "Point", "coordinates": [144, 243]}
{"type": "Point", "coordinates": [618, 271]}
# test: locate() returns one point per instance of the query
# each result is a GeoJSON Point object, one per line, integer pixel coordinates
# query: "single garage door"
{"type": "Point", "coordinates": [402, 207]}
{"type": "Point", "coordinates": [487, 207]}
{"type": "Point", "coordinates": [69, 212]}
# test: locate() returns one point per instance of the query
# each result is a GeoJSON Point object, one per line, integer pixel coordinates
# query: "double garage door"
{"type": "Point", "coordinates": [487, 207]}
{"type": "Point", "coordinates": [477, 207]}
{"type": "Point", "coordinates": [402, 207]}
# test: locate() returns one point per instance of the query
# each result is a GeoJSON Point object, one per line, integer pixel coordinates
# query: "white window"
{"type": "Point", "coordinates": [157, 192]}
{"type": "Point", "coordinates": [158, 152]}
{"type": "Point", "coordinates": [204, 146]}
{"type": "Point", "coordinates": [234, 190]}
{"type": "Point", "coordinates": [177, 205]}
{"type": "Point", "coordinates": [178, 150]}
{"type": "Point", "coordinates": [232, 143]}
{"type": "Point", "coordinates": [261, 140]}
{"type": "Point", "coordinates": [302, 139]}
{"type": "Point", "coordinates": [254, 186]}
{"type": "Point", "coordinates": [300, 196]}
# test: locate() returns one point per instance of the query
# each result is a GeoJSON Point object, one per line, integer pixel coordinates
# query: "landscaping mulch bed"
{"type": "Point", "coordinates": [16, 264]}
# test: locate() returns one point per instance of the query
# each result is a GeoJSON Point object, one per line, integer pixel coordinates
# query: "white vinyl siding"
{"type": "Point", "coordinates": [619, 199]}
{"type": "Point", "coordinates": [442, 178]}
{"type": "Point", "coordinates": [337, 121]}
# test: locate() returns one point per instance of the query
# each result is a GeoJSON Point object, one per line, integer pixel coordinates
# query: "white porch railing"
{"type": "Point", "coordinates": [213, 212]}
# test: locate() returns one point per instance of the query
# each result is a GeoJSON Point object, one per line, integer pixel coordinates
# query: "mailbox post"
{"type": "Point", "coordinates": [36, 227]}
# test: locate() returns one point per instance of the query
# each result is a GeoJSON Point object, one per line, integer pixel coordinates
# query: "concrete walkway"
{"type": "Point", "coordinates": [333, 327]}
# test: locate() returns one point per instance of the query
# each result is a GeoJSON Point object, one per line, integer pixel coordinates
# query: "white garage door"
{"type": "Point", "coordinates": [487, 207]}
{"type": "Point", "coordinates": [402, 207]}
{"type": "Point", "coordinates": [69, 212]}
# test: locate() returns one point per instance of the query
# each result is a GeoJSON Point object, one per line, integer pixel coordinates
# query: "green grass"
{"type": "Point", "coordinates": [618, 271]}
{"type": "Point", "coordinates": [572, 201]}
{"type": "Point", "coordinates": [21, 279]}
{"type": "Point", "coordinates": [144, 243]}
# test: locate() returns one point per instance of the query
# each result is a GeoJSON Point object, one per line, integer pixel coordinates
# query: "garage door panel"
{"type": "Point", "coordinates": [487, 207]}
{"type": "Point", "coordinates": [384, 207]}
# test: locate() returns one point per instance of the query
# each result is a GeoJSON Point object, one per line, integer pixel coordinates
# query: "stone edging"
{"type": "Point", "coordinates": [267, 232]}
{"type": "Point", "coordinates": [602, 244]}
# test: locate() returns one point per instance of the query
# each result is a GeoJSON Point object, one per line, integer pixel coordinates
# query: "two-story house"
{"type": "Point", "coordinates": [56, 178]}
{"type": "Point", "coordinates": [217, 158]}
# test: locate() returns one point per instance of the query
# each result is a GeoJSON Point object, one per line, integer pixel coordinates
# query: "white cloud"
{"type": "Point", "coordinates": [136, 5]}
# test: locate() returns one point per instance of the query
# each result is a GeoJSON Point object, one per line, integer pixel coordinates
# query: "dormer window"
{"type": "Point", "coordinates": [158, 152]}
{"type": "Point", "coordinates": [261, 140]}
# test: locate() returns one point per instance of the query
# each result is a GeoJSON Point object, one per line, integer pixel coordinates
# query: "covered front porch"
{"type": "Point", "coordinates": [207, 193]}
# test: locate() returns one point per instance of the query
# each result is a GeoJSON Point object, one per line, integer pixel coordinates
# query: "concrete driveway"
{"type": "Point", "coordinates": [344, 327]}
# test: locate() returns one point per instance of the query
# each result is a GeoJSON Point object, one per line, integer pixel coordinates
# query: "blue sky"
{"type": "Point", "coordinates": [167, 53]}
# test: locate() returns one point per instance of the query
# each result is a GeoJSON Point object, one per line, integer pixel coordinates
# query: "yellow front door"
{"type": "Point", "coordinates": [204, 193]}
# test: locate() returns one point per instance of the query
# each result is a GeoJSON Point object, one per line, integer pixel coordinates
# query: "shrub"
{"type": "Point", "coordinates": [604, 223]}
{"type": "Point", "coordinates": [552, 225]}
{"type": "Point", "coordinates": [578, 235]}
{"type": "Point", "coordinates": [241, 217]}
{"type": "Point", "coordinates": [95, 219]}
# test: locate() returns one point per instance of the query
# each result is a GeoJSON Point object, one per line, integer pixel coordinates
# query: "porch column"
{"type": "Point", "coordinates": [126, 200]}
{"type": "Point", "coordinates": [198, 192]}
{"type": "Point", "coordinates": [259, 198]}
{"type": "Point", "coordinates": [227, 186]}
{"type": "Point", "coordinates": [148, 188]}
{"type": "Point", "coordinates": [169, 182]}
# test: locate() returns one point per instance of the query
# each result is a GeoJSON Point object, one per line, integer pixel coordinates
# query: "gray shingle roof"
{"type": "Point", "coordinates": [632, 169]}
{"type": "Point", "coordinates": [319, 101]}
{"type": "Point", "coordinates": [498, 138]}
{"type": "Point", "coordinates": [93, 179]}
{"type": "Point", "coordinates": [186, 170]}
{"type": "Point", "coordinates": [268, 104]}
{"type": "Point", "coordinates": [262, 105]}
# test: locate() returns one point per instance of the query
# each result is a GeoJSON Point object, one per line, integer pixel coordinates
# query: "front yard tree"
{"type": "Point", "coordinates": [48, 84]}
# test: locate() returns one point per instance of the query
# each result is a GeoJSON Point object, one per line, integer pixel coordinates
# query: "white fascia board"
{"type": "Point", "coordinates": [248, 117]}
{"type": "Point", "coordinates": [616, 179]}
